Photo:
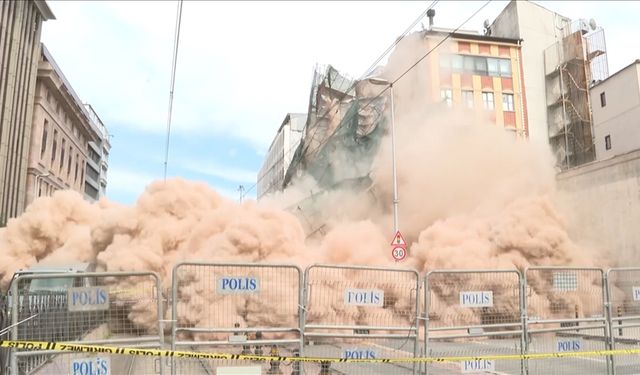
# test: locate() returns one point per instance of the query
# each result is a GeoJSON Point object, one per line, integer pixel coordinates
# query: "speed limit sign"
{"type": "Point", "coordinates": [398, 253]}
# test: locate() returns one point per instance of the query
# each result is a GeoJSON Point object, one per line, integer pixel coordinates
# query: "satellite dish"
{"type": "Point", "coordinates": [592, 23]}
{"type": "Point", "coordinates": [486, 24]}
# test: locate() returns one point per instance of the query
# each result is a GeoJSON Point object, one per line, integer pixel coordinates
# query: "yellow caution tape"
{"type": "Point", "coordinates": [81, 348]}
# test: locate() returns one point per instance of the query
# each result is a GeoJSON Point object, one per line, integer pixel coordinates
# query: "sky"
{"type": "Point", "coordinates": [242, 66]}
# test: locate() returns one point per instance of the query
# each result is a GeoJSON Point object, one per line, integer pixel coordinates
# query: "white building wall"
{"type": "Point", "coordinates": [619, 117]}
{"type": "Point", "coordinates": [539, 28]}
{"type": "Point", "coordinates": [280, 154]}
{"type": "Point", "coordinates": [294, 136]}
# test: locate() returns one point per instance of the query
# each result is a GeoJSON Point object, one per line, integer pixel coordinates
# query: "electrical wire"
{"type": "Point", "coordinates": [174, 61]}
{"type": "Point", "coordinates": [397, 79]}
{"type": "Point", "coordinates": [351, 87]}
{"type": "Point", "coordinates": [428, 52]}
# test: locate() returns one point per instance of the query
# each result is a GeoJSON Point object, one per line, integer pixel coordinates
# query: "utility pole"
{"type": "Point", "coordinates": [241, 190]}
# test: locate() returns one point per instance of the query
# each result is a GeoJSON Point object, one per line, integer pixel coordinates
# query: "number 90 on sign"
{"type": "Point", "coordinates": [398, 253]}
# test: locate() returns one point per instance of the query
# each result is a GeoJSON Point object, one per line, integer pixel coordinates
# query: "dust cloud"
{"type": "Point", "coordinates": [471, 196]}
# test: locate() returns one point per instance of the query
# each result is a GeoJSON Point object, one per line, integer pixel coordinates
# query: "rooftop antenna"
{"type": "Point", "coordinates": [431, 13]}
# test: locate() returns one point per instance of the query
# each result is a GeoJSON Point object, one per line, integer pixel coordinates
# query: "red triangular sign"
{"type": "Point", "coordinates": [398, 240]}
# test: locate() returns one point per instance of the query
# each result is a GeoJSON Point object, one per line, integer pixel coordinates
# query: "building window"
{"type": "Point", "coordinates": [467, 64]}
{"type": "Point", "coordinates": [75, 179]}
{"type": "Point", "coordinates": [69, 162]}
{"type": "Point", "coordinates": [447, 97]}
{"type": "Point", "coordinates": [62, 154]}
{"type": "Point", "coordinates": [507, 103]}
{"type": "Point", "coordinates": [467, 98]}
{"type": "Point", "coordinates": [54, 147]}
{"type": "Point", "coordinates": [603, 99]}
{"type": "Point", "coordinates": [476, 65]}
{"type": "Point", "coordinates": [607, 142]}
{"type": "Point", "coordinates": [487, 100]}
{"type": "Point", "coordinates": [505, 67]}
{"type": "Point", "coordinates": [493, 67]}
{"type": "Point", "coordinates": [480, 65]}
{"type": "Point", "coordinates": [457, 63]}
{"type": "Point", "coordinates": [45, 133]}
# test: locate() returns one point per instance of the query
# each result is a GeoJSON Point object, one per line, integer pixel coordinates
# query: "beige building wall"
{"type": "Point", "coordinates": [452, 80]}
{"type": "Point", "coordinates": [20, 28]}
{"type": "Point", "coordinates": [60, 150]}
{"type": "Point", "coordinates": [601, 203]}
{"type": "Point", "coordinates": [539, 28]}
{"type": "Point", "coordinates": [615, 103]}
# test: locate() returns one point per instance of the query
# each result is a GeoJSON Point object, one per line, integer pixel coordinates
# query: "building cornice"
{"type": "Point", "coordinates": [44, 10]}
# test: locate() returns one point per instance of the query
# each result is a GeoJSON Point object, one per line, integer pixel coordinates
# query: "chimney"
{"type": "Point", "coordinates": [431, 13]}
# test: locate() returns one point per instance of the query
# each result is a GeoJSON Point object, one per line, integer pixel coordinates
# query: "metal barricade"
{"type": "Point", "coordinates": [361, 312]}
{"type": "Point", "coordinates": [623, 292]}
{"type": "Point", "coordinates": [115, 308]}
{"type": "Point", "coordinates": [565, 312]}
{"type": "Point", "coordinates": [238, 309]}
{"type": "Point", "coordinates": [473, 313]}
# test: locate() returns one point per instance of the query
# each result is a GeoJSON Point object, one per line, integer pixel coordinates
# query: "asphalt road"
{"type": "Point", "coordinates": [387, 348]}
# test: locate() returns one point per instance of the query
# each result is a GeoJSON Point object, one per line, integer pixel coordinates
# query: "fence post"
{"type": "Point", "coordinates": [14, 324]}
{"type": "Point", "coordinates": [427, 301]}
{"type": "Point", "coordinates": [523, 319]}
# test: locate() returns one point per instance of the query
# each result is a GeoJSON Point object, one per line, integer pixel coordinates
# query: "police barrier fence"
{"type": "Point", "coordinates": [495, 320]}
{"type": "Point", "coordinates": [114, 308]}
{"type": "Point", "coordinates": [623, 305]}
{"type": "Point", "coordinates": [237, 309]}
{"type": "Point", "coordinates": [473, 313]}
{"type": "Point", "coordinates": [357, 312]}
{"type": "Point", "coordinates": [565, 312]}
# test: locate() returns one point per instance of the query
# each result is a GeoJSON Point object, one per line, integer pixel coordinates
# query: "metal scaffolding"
{"type": "Point", "coordinates": [572, 66]}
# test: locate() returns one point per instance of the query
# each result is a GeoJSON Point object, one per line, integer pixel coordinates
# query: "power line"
{"type": "Point", "coordinates": [407, 31]}
{"type": "Point", "coordinates": [403, 74]}
{"type": "Point", "coordinates": [176, 44]}
{"type": "Point", "coordinates": [423, 57]}
{"type": "Point", "coordinates": [394, 81]}
{"type": "Point", "coordinates": [351, 87]}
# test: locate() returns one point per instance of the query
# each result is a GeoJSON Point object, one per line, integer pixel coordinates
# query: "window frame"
{"type": "Point", "coordinates": [505, 72]}
{"type": "Point", "coordinates": [491, 61]}
{"type": "Point", "coordinates": [508, 106]}
{"type": "Point", "coordinates": [485, 95]}
{"type": "Point", "coordinates": [44, 139]}
{"type": "Point", "coordinates": [446, 95]}
{"type": "Point", "coordinates": [466, 95]}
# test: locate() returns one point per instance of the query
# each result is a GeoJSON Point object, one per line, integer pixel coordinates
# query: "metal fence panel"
{"type": "Point", "coordinates": [623, 291]}
{"type": "Point", "coordinates": [565, 312]}
{"type": "Point", "coordinates": [235, 308]}
{"type": "Point", "coordinates": [473, 313]}
{"type": "Point", "coordinates": [361, 312]}
{"type": "Point", "coordinates": [120, 308]}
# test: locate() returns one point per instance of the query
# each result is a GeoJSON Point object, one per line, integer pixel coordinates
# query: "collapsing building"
{"type": "Point", "coordinates": [343, 126]}
{"type": "Point", "coordinates": [532, 83]}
